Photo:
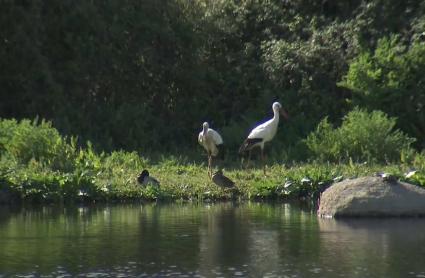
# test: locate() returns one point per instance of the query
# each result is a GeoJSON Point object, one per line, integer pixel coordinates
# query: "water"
{"type": "Point", "coordinates": [220, 240]}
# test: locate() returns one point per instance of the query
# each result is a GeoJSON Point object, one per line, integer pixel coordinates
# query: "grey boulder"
{"type": "Point", "coordinates": [372, 196]}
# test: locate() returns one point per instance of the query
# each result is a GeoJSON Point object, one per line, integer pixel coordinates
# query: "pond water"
{"type": "Point", "coordinates": [205, 240]}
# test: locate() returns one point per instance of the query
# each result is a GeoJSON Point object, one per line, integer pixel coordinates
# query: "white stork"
{"type": "Point", "coordinates": [263, 133]}
{"type": "Point", "coordinates": [210, 140]}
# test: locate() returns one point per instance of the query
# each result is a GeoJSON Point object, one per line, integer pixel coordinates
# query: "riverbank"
{"type": "Point", "coordinates": [114, 178]}
{"type": "Point", "coordinates": [38, 164]}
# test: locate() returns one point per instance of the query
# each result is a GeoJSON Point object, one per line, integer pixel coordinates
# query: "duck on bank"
{"type": "Point", "coordinates": [145, 179]}
{"type": "Point", "coordinates": [221, 180]}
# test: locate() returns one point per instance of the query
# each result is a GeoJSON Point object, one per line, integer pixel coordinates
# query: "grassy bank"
{"type": "Point", "coordinates": [113, 178]}
{"type": "Point", "coordinates": [38, 164]}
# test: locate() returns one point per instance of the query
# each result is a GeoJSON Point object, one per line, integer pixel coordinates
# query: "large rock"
{"type": "Point", "coordinates": [372, 196]}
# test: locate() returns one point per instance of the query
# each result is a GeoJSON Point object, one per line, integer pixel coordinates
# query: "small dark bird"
{"type": "Point", "coordinates": [387, 177]}
{"type": "Point", "coordinates": [145, 179]}
{"type": "Point", "coordinates": [221, 180]}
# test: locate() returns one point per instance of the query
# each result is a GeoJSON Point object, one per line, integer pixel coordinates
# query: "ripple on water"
{"type": "Point", "coordinates": [31, 275]}
{"type": "Point", "coordinates": [315, 270]}
{"type": "Point", "coordinates": [95, 274]}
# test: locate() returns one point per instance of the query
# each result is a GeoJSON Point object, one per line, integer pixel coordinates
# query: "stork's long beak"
{"type": "Point", "coordinates": [284, 114]}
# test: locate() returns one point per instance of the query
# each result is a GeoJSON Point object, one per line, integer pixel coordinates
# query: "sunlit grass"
{"type": "Point", "coordinates": [56, 170]}
{"type": "Point", "coordinates": [115, 179]}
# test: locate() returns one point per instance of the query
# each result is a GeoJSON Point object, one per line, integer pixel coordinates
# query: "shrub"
{"type": "Point", "coordinates": [391, 79]}
{"type": "Point", "coordinates": [362, 136]}
{"type": "Point", "coordinates": [26, 140]}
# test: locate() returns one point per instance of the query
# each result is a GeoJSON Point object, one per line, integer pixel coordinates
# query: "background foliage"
{"type": "Point", "coordinates": [143, 75]}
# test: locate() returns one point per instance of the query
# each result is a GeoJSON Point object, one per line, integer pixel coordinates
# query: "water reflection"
{"type": "Point", "coordinates": [210, 240]}
{"type": "Point", "coordinates": [388, 247]}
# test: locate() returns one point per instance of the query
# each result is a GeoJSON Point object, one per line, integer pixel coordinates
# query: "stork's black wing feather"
{"type": "Point", "coordinates": [249, 143]}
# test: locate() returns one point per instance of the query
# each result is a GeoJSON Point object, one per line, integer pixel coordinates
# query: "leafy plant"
{"type": "Point", "coordinates": [362, 136]}
{"type": "Point", "coordinates": [26, 140]}
{"type": "Point", "coordinates": [391, 79]}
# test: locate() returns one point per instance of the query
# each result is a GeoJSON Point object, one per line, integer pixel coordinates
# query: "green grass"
{"type": "Point", "coordinates": [37, 164]}
{"type": "Point", "coordinates": [113, 178]}
{"type": "Point", "coordinates": [307, 180]}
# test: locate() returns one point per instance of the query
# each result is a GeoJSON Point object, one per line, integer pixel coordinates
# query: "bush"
{"type": "Point", "coordinates": [363, 136]}
{"type": "Point", "coordinates": [391, 79]}
{"type": "Point", "coordinates": [26, 140]}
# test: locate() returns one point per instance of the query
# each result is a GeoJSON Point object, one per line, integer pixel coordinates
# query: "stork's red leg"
{"type": "Point", "coordinates": [209, 166]}
{"type": "Point", "coordinates": [249, 159]}
{"type": "Point", "coordinates": [262, 160]}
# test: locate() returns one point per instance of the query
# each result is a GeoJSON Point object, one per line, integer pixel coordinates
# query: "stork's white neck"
{"type": "Point", "coordinates": [275, 115]}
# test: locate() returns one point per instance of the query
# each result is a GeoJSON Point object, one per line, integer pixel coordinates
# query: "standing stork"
{"type": "Point", "coordinates": [210, 140]}
{"type": "Point", "coordinates": [263, 133]}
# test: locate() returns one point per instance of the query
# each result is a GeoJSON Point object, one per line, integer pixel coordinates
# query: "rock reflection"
{"type": "Point", "coordinates": [374, 245]}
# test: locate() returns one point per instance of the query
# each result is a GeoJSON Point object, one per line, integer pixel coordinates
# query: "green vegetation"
{"type": "Point", "coordinates": [136, 79]}
{"type": "Point", "coordinates": [39, 165]}
{"type": "Point", "coordinates": [391, 79]}
{"type": "Point", "coordinates": [362, 136]}
{"type": "Point", "coordinates": [116, 73]}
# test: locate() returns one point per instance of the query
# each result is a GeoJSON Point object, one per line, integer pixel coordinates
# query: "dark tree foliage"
{"type": "Point", "coordinates": [142, 75]}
